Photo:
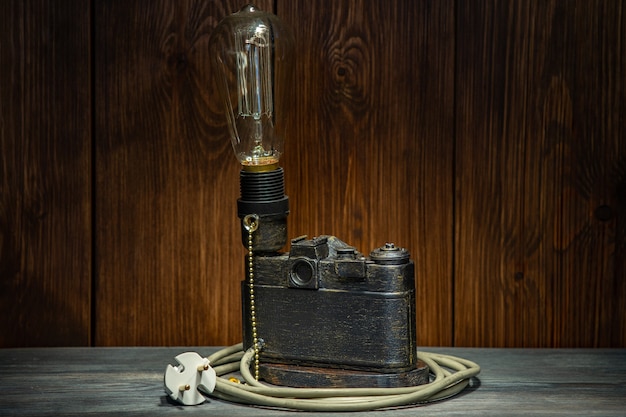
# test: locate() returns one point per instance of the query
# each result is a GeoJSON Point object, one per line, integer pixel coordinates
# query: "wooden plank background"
{"type": "Point", "coordinates": [45, 173]}
{"type": "Point", "coordinates": [486, 138]}
{"type": "Point", "coordinates": [540, 174]}
{"type": "Point", "coordinates": [168, 252]}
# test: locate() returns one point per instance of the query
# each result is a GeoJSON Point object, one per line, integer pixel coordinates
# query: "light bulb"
{"type": "Point", "coordinates": [251, 52]}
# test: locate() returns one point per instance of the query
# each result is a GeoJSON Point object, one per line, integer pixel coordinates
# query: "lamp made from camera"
{"type": "Point", "coordinates": [321, 316]}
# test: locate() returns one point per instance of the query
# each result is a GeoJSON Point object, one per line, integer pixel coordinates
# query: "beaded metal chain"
{"type": "Point", "coordinates": [251, 223]}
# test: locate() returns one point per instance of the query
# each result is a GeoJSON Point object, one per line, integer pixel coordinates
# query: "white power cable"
{"type": "Point", "coordinates": [450, 376]}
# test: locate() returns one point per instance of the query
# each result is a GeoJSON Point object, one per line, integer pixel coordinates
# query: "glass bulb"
{"type": "Point", "coordinates": [250, 50]}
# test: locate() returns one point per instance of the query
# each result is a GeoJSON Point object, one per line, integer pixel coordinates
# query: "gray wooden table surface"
{"type": "Point", "coordinates": [129, 382]}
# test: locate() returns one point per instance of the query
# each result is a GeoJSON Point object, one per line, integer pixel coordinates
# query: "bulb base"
{"type": "Point", "coordinates": [259, 168]}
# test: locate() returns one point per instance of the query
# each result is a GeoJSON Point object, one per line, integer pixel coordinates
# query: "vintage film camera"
{"type": "Point", "coordinates": [324, 314]}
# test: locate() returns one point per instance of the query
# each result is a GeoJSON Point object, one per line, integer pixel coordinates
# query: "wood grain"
{"type": "Point", "coordinates": [485, 137]}
{"type": "Point", "coordinates": [45, 174]}
{"type": "Point", "coordinates": [169, 256]}
{"type": "Point", "coordinates": [540, 171]}
{"type": "Point", "coordinates": [129, 382]}
{"type": "Point", "coordinates": [369, 139]}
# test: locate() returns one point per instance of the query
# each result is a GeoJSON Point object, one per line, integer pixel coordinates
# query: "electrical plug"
{"type": "Point", "coordinates": [182, 381]}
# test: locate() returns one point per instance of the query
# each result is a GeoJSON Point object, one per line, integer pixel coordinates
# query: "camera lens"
{"type": "Point", "coordinates": [302, 273]}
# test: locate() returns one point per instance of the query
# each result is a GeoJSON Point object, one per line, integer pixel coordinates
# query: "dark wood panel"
{"type": "Point", "coordinates": [169, 259]}
{"type": "Point", "coordinates": [540, 171]}
{"type": "Point", "coordinates": [527, 211]}
{"type": "Point", "coordinates": [45, 178]}
{"type": "Point", "coordinates": [369, 137]}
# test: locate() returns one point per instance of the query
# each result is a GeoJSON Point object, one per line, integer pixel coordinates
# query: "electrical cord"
{"type": "Point", "coordinates": [450, 376]}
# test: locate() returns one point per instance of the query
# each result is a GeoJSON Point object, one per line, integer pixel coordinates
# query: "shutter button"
{"type": "Point", "coordinates": [390, 254]}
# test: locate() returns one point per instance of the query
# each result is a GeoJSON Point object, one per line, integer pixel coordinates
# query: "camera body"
{"type": "Point", "coordinates": [325, 309]}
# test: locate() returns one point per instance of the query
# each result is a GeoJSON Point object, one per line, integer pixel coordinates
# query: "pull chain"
{"type": "Point", "coordinates": [251, 223]}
